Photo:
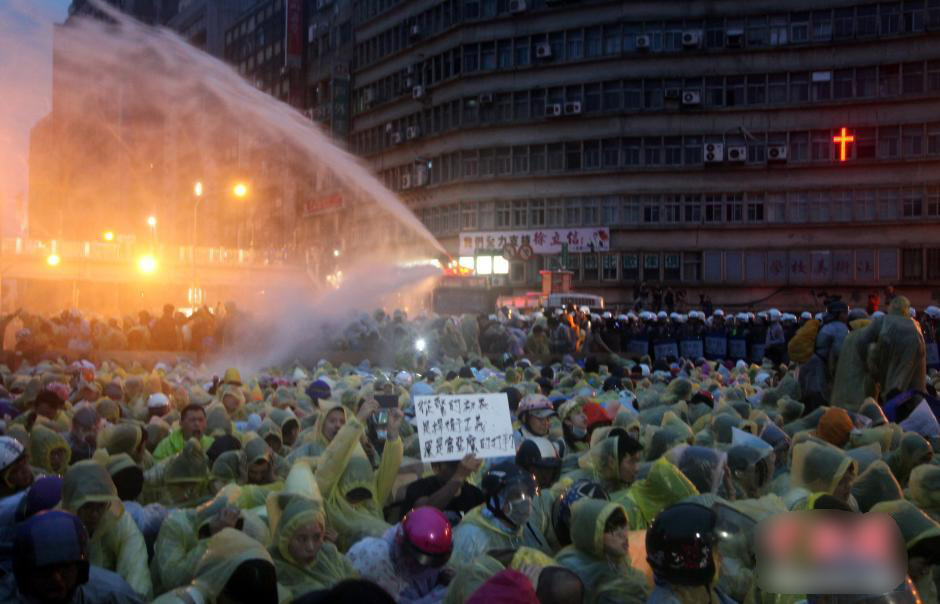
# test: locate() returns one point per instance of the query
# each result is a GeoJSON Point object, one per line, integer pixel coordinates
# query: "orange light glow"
{"type": "Point", "coordinates": [842, 140]}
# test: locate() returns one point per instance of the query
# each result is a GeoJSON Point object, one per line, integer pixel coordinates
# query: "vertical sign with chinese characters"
{"type": "Point", "coordinates": [451, 426]}
{"type": "Point", "coordinates": [294, 32]}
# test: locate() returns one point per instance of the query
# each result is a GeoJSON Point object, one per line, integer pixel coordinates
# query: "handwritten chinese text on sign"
{"type": "Point", "coordinates": [451, 426]}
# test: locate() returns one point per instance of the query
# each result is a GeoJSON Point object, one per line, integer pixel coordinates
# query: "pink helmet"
{"type": "Point", "coordinates": [426, 535]}
{"type": "Point", "coordinates": [535, 402]}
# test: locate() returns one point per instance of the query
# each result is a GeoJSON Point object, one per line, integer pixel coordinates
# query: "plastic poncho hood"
{"type": "Point", "coordinates": [87, 482]}
{"type": "Point", "coordinates": [42, 443]}
{"type": "Point", "coordinates": [874, 485]}
{"type": "Point", "coordinates": [588, 517]}
{"type": "Point", "coordinates": [819, 467]}
{"type": "Point", "coordinates": [226, 550]}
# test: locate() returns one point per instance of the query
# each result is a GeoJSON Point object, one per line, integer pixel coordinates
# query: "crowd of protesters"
{"type": "Point", "coordinates": [640, 470]}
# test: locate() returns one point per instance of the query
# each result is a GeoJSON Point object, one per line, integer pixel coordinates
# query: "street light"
{"type": "Point", "coordinates": [240, 190]}
{"type": "Point", "coordinates": [336, 253]}
{"type": "Point", "coordinates": [147, 264]}
{"type": "Point", "coordinates": [52, 260]}
{"type": "Point", "coordinates": [108, 236]}
{"type": "Point", "coordinates": [152, 221]}
{"type": "Point", "coordinates": [197, 188]}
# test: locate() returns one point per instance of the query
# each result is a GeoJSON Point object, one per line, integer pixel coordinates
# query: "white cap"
{"type": "Point", "coordinates": [607, 314]}
{"type": "Point", "coordinates": [10, 451]}
{"type": "Point", "coordinates": [157, 400]}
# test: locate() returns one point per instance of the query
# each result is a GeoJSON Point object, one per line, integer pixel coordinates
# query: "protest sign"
{"type": "Point", "coordinates": [451, 426]}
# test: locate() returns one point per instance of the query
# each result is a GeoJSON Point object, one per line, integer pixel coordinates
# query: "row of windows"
{"type": "Point", "coordinates": [521, 52]}
{"type": "Point", "coordinates": [911, 141]}
{"type": "Point", "coordinates": [468, 9]}
{"type": "Point", "coordinates": [258, 24]}
{"type": "Point", "coordinates": [264, 61]}
{"type": "Point", "coordinates": [777, 207]}
{"type": "Point", "coordinates": [884, 81]}
{"type": "Point", "coordinates": [760, 31]}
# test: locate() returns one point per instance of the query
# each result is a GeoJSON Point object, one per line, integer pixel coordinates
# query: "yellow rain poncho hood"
{"type": "Point", "coordinates": [42, 443]}
{"type": "Point", "coordinates": [925, 488]}
{"type": "Point", "coordinates": [874, 485]}
{"type": "Point", "coordinates": [663, 486]}
{"type": "Point", "coordinates": [226, 550]}
{"type": "Point", "coordinates": [354, 521]}
{"type": "Point", "coordinates": [818, 467]}
{"type": "Point", "coordinates": [604, 578]}
{"type": "Point", "coordinates": [87, 482]}
{"type": "Point", "coordinates": [913, 451]}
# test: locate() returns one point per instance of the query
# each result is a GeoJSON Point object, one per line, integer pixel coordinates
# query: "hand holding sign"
{"type": "Point", "coordinates": [450, 427]}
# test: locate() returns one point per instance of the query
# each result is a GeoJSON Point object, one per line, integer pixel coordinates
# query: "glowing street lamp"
{"type": "Point", "coordinates": [147, 264]}
{"type": "Point", "coordinates": [152, 221]}
{"type": "Point", "coordinates": [197, 188]}
{"type": "Point", "coordinates": [52, 260]}
{"type": "Point", "coordinates": [336, 253]}
{"type": "Point", "coordinates": [108, 236]}
{"type": "Point", "coordinates": [240, 190]}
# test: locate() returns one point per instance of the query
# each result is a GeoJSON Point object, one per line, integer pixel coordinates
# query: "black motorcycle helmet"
{"type": "Point", "coordinates": [680, 545]}
{"type": "Point", "coordinates": [502, 478]}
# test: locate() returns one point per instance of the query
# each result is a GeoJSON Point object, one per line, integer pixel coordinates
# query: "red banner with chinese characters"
{"type": "Point", "coordinates": [322, 204]}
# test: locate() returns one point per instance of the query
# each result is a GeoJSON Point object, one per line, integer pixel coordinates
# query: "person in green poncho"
{"type": "Point", "coordinates": [304, 561]}
{"type": "Point", "coordinates": [913, 451]}
{"type": "Point", "coordinates": [612, 461]}
{"type": "Point", "coordinates": [115, 542]}
{"type": "Point", "coordinates": [599, 554]}
{"type": "Point", "coordinates": [663, 486]}
{"type": "Point", "coordinates": [354, 494]}
{"type": "Point", "coordinates": [822, 468]}
{"type": "Point", "coordinates": [234, 569]}
{"type": "Point", "coordinates": [192, 425]}
{"type": "Point", "coordinates": [48, 450]}
{"type": "Point", "coordinates": [922, 539]}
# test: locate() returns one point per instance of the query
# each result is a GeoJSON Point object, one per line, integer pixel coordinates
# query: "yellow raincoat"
{"type": "Point", "coordinates": [225, 552]}
{"type": "Point", "coordinates": [645, 499]}
{"type": "Point", "coordinates": [43, 442]}
{"type": "Point", "coordinates": [116, 544]}
{"type": "Point", "coordinates": [852, 383]}
{"type": "Point", "coordinates": [925, 489]}
{"type": "Point", "coordinates": [340, 471]}
{"type": "Point", "coordinates": [897, 360]}
{"type": "Point", "coordinates": [606, 580]}
{"type": "Point", "coordinates": [819, 468]}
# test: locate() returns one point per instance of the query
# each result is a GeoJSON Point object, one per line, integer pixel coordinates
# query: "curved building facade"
{"type": "Point", "coordinates": [696, 144]}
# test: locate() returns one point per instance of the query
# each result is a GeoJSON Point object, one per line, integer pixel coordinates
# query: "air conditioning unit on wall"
{"type": "Point", "coordinates": [713, 153]}
{"type": "Point", "coordinates": [737, 153]}
{"type": "Point", "coordinates": [776, 153]}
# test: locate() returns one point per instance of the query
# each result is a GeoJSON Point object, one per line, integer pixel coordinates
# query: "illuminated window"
{"type": "Point", "coordinates": [484, 265]}
{"type": "Point", "coordinates": [500, 265]}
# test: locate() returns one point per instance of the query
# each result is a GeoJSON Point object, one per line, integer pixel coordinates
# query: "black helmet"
{"type": "Point", "coordinates": [529, 457]}
{"type": "Point", "coordinates": [680, 544]}
{"type": "Point", "coordinates": [561, 508]}
{"type": "Point", "coordinates": [47, 539]}
{"type": "Point", "coordinates": [500, 478]}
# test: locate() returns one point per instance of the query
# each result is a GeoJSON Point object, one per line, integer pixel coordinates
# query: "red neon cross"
{"type": "Point", "coordinates": [841, 140]}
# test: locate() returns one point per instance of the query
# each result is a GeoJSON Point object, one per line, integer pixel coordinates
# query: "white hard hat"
{"type": "Point", "coordinates": [10, 451]}
{"type": "Point", "coordinates": [157, 400]}
{"type": "Point", "coordinates": [632, 315]}
{"type": "Point", "coordinates": [585, 309]}
{"type": "Point", "coordinates": [681, 318]}
{"type": "Point", "coordinates": [912, 311]}
{"type": "Point", "coordinates": [820, 316]}
{"type": "Point", "coordinates": [741, 316]}
{"type": "Point", "coordinates": [623, 318]}
{"type": "Point", "coordinates": [674, 316]}
{"type": "Point", "coordinates": [662, 315]}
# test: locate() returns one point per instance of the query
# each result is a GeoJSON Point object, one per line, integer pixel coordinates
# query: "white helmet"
{"type": "Point", "coordinates": [10, 451]}
{"type": "Point", "coordinates": [607, 315]}
{"type": "Point", "coordinates": [719, 313]}
{"type": "Point", "coordinates": [774, 314]}
{"type": "Point", "coordinates": [933, 312]}
{"type": "Point", "coordinates": [913, 312]}
{"type": "Point", "coordinates": [805, 315]}
{"type": "Point", "coordinates": [820, 316]}
{"type": "Point", "coordinates": [585, 310]}
{"type": "Point", "coordinates": [623, 318]}
{"type": "Point", "coordinates": [681, 318]}
{"type": "Point", "coordinates": [742, 316]}
{"type": "Point", "coordinates": [662, 315]}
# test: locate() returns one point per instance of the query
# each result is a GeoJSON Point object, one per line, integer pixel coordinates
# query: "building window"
{"type": "Point", "coordinates": [609, 264]}
{"type": "Point", "coordinates": [691, 267]}
{"type": "Point", "coordinates": [776, 207]}
{"type": "Point", "coordinates": [844, 23]}
{"type": "Point", "coordinates": [842, 85]}
{"type": "Point", "coordinates": [503, 215]}
{"type": "Point", "coordinates": [913, 78]}
{"type": "Point", "coordinates": [470, 164]}
{"type": "Point", "coordinates": [504, 54]}
{"type": "Point", "coordinates": [590, 267]}
{"type": "Point", "coordinates": [777, 88]}
{"type": "Point", "coordinates": [693, 150]}
{"type": "Point", "coordinates": [799, 27]}
{"type": "Point", "coordinates": [866, 79]}
{"type": "Point", "coordinates": [651, 267]}
{"type": "Point", "coordinates": [933, 75]}
{"type": "Point", "coordinates": [537, 158]}
{"type": "Point", "coordinates": [822, 25]}
{"type": "Point", "coordinates": [503, 161]}
{"type": "Point", "coordinates": [933, 263]}
{"type": "Point", "coordinates": [887, 204]}
{"type": "Point", "coordinates": [734, 91]}
{"type": "Point", "coordinates": [672, 266]}
{"type": "Point", "coordinates": [652, 151]}
{"type": "Point", "coordinates": [651, 209]}
{"type": "Point", "coordinates": [912, 264]}
{"type": "Point", "coordinates": [673, 150]}
{"type": "Point", "coordinates": [574, 41]}
{"type": "Point", "coordinates": [912, 141]}
{"type": "Point", "coordinates": [866, 20]}
{"type": "Point", "coordinates": [554, 212]}
{"type": "Point", "coordinates": [631, 209]}
{"type": "Point", "coordinates": [755, 207]}
{"type": "Point", "coordinates": [487, 163]}
{"type": "Point", "coordinates": [798, 206]}
{"type": "Point", "coordinates": [821, 145]}
{"type": "Point", "coordinates": [713, 207]}
{"type": "Point", "coordinates": [573, 212]}
{"type": "Point", "coordinates": [865, 143]}
{"type": "Point", "coordinates": [521, 52]}
{"type": "Point", "coordinates": [890, 14]}
{"type": "Point", "coordinates": [572, 157]}
{"type": "Point", "coordinates": [715, 92]}
{"type": "Point", "coordinates": [610, 211]}
{"type": "Point", "coordinates": [537, 212]}
{"type": "Point", "coordinates": [888, 80]}
{"type": "Point", "coordinates": [842, 206]}
{"type": "Point", "coordinates": [520, 214]}
{"type": "Point", "coordinates": [933, 201]}
{"type": "Point", "coordinates": [631, 267]}
{"type": "Point", "coordinates": [888, 142]}
{"type": "Point", "coordinates": [592, 155]}
{"type": "Point", "coordinates": [468, 216]}
{"type": "Point", "coordinates": [556, 157]}
{"type": "Point", "coordinates": [912, 202]}
{"type": "Point", "coordinates": [672, 209]}
{"type": "Point", "coordinates": [734, 207]}
{"type": "Point", "coordinates": [756, 90]}
{"type": "Point", "coordinates": [610, 153]}
{"type": "Point", "coordinates": [799, 87]}
{"type": "Point", "coordinates": [864, 201]}
{"type": "Point", "coordinates": [631, 151]}
{"type": "Point", "coordinates": [612, 43]}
